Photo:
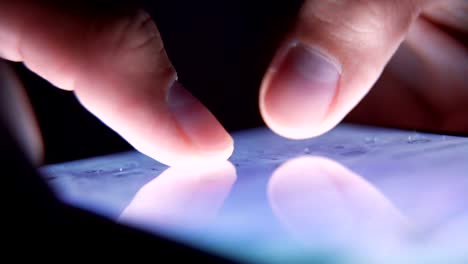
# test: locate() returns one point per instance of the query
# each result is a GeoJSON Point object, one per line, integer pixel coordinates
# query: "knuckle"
{"type": "Point", "coordinates": [364, 22]}
{"type": "Point", "coordinates": [131, 32]}
{"type": "Point", "coordinates": [137, 31]}
{"type": "Point", "coordinates": [132, 42]}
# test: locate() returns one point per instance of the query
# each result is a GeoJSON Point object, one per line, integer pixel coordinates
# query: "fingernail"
{"type": "Point", "coordinates": [301, 89]}
{"type": "Point", "coordinates": [198, 123]}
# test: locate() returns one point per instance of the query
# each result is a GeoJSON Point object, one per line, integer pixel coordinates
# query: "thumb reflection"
{"type": "Point", "coordinates": [319, 200]}
{"type": "Point", "coordinates": [188, 197]}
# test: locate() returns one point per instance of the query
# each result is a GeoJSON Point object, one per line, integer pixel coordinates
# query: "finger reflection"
{"type": "Point", "coordinates": [318, 200]}
{"type": "Point", "coordinates": [181, 197]}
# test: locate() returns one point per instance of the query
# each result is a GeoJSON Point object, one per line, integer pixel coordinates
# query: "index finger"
{"type": "Point", "coordinates": [117, 66]}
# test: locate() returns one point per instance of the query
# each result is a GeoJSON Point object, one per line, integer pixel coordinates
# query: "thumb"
{"type": "Point", "coordinates": [329, 61]}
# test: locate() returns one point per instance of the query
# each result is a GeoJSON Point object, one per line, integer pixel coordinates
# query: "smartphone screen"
{"type": "Point", "coordinates": [357, 194]}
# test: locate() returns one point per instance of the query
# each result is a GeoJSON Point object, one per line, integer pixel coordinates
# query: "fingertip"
{"type": "Point", "coordinates": [205, 133]}
{"type": "Point", "coordinates": [298, 91]}
{"type": "Point", "coordinates": [177, 150]}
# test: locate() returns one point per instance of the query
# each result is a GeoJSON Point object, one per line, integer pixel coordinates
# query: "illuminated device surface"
{"type": "Point", "coordinates": [354, 195]}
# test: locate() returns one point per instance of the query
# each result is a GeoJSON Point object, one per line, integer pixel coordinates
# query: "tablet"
{"type": "Point", "coordinates": [357, 194]}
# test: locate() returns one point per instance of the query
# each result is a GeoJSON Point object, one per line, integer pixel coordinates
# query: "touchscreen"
{"type": "Point", "coordinates": [354, 195]}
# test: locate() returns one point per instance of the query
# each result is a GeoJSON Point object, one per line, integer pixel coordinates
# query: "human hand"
{"type": "Point", "coordinates": [338, 51]}
{"type": "Point", "coordinates": [115, 63]}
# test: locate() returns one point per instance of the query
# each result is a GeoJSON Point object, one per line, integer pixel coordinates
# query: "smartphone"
{"type": "Point", "coordinates": [357, 194]}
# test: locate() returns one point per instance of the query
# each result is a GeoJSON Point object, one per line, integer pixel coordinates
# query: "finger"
{"type": "Point", "coordinates": [329, 61]}
{"type": "Point", "coordinates": [15, 109]}
{"type": "Point", "coordinates": [449, 13]}
{"type": "Point", "coordinates": [118, 68]}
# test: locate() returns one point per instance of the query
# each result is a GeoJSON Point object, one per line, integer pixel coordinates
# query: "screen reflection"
{"type": "Point", "coordinates": [319, 200]}
{"type": "Point", "coordinates": [181, 197]}
{"type": "Point", "coordinates": [318, 204]}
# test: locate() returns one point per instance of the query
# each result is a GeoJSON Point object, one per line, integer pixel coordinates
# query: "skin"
{"type": "Point", "coordinates": [427, 75]}
{"type": "Point", "coordinates": [95, 56]}
{"type": "Point", "coordinates": [422, 87]}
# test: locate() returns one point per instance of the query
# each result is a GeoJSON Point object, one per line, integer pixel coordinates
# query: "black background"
{"type": "Point", "coordinates": [220, 50]}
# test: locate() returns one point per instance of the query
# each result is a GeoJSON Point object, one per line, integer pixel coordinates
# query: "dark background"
{"type": "Point", "coordinates": [220, 49]}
